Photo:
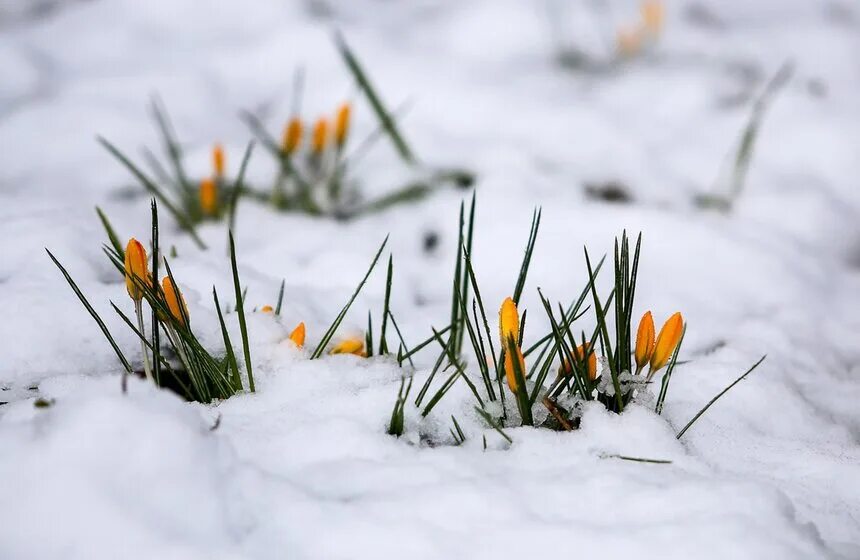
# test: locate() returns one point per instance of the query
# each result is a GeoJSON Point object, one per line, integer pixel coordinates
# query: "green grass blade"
{"type": "Point", "coordinates": [527, 257]}
{"type": "Point", "coordinates": [280, 297]}
{"type": "Point", "coordinates": [92, 313]}
{"type": "Point", "coordinates": [238, 186]}
{"type": "Point", "coordinates": [240, 309]}
{"type": "Point", "coordinates": [112, 236]}
{"type": "Point", "coordinates": [493, 424]}
{"type": "Point", "coordinates": [379, 109]}
{"type": "Point", "coordinates": [383, 342]}
{"type": "Point", "coordinates": [720, 394]}
{"type": "Point", "coordinates": [228, 346]}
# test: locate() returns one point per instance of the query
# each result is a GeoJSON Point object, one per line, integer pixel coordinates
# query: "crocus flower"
{"type": "Point", "coordinates": [349, 346]}
{"type": "Point", "coordinates": [320, 136]}
{"type": "Point", "coordinates": [652, 16]}
{"type": "Point", "coordinates": [667, 340]}
{"type": "Point", "coordinates": [292, 138]}
{"type": "Point", "coordinates": [173, 298]}
{"type": "Point", "coordinates": [135, 266]}
{"type": "Point", "coordinates": [298, 335]}
{"type": "Point", "coordinates": [267, 309]}
{"type": "Point", "coordinates": [644, 341]}
{"type": "Point", "coordinates": [208, 196]}
{"type": "Point", "coordinates": [341, 126]}
{"type": "Point", "coordinates": [218, 160]}
{"type": "Point", "coordinates": [509, 329]}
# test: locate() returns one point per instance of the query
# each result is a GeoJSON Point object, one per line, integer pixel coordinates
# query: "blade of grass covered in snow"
{"type": "Point", "coordinates": [240, 309]}
{"type": "Point", "coordinates": [720, 394]}
{"type": "Point", "coordinates": [664, 382]}
{"type": "Point", "coordinates": [459, 436]}
{"type": "Point", "coordinates": [383, 342]}
{"type": "Point", "coordinates": [92, 313]}
{"type": "Point", "coordinates": [464, 289]}
{"type": "Point", "coordinates": [228, 346]}
{"type": "Point", "coordinates": [156, 335]}
{"type": "Point", "coordinates": [318, 351]}
{"type": "Point", "coordinates": [280, 297]}
{"type": "Point", "coordinates": [379, 109]}
{"type": "Point", "coordinates": [238, 185]}
{"type": "Point", "coordinates": [368, 336]}
{"type": "Point", "coordinates": [153, 189]}
{"type": "Point", "coordinates": [456, 317]}
{"type": "Point", "coordinates": [527, 257]}
{"type": "Point", "coordinates": [112, 236]}
{"type": "Point", "coordinates": [637, 459]}
{"type": "Point", "coordinates": [395, 424]}
{"type": "Point", "coordinates": [493, 424]}
{"type": "Point", "coordinates": [439, 361]}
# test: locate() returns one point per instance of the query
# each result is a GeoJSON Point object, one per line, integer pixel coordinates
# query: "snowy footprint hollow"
{"type": "Point", "coordinates": [358, 280]}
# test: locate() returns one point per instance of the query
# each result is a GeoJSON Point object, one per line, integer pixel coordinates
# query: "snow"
{"type": "Point", "coordinates": [303, 467]}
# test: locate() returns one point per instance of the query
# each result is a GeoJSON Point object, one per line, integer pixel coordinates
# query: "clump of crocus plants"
{"type": "Point", "coordinates": [315, 161]}
{"type": "Point", "coordinates": [179, 360]}
{"type": "Point", "coordinates": [599, 363]}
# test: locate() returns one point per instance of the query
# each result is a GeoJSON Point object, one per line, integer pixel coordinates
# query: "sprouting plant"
{"type": "Point", "coordinates": [195, 373]}
{"type": "Point", "coordinates": [570, 351]}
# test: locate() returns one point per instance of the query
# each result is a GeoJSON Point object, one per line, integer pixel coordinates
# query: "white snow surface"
{"type": "Point", "coordinates": [303, 468]}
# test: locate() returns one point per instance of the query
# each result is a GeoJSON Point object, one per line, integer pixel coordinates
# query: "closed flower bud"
{"type": "Point", "coordinates": [267, 309]}
{"type": "Point", "coordinates": [292, 136]}
{"type": "Point", "coordinates": [175, 301]}
{"type": "Point", "coordinates": [136, 269]}
{"type": "Point", "coordinates": [652, 16]}
{"type": "Point", "coordinates": [320, 136]}
{"type": "Point", "coordinates": [208, 196]}
{"type": "Point", "coordinates": [341, 126]}
{"type": "Point", "coordinates": [566, 369]}
{"type": "Point", "coordinates": [644, 341]}
{"type": "Point", "coordinates": [667, 340]}
{"type": "Point", "coordinates": [509, 322]}
{"type": "Point", "coordinates": [298, 335]}
{"type": "Point", "coordinates": [510, 369]}
{"type": "Point", "coordinates": [628, 41]}
{"type": "Point", "coordinates": [349, 346]}
{"type": "Point", "coordinates": [218, 160]}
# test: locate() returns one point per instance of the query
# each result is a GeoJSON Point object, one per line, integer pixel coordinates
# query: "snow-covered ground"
{"type": "Point", "coordinates": [303, 467]}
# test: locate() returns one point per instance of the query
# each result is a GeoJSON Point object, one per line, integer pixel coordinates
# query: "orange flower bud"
{"type": "Point", "coordinates": [218, 160]}
{"type": "Point", "coordinates": [510, 371]}
{"type": "Point", "coordinates": [267, 309]}
{"type": "Point", "coordinates": [292, 138]}
{"type": "Point", "coordinates": [173, 298]}
{"type": "Point", "coordinates": [628, 41]}
{"type": "Point", "coordinates": [208, 196]}
{"type": "Point", "coordinates": [320, 136]}
{"type": "Point", "coordinates": [341, 127]}
{"type": "Point", "coordinates": [644, 340]}
{"type": "Point", "coordinates": [509, 322]}
{"type": "Point", "coordinates": [566, 369]}
{"type": "Point", "coordinates": [349, 346]}
{"type": "Point", "coordinates": [667, 340]}
{"type": "Point", "coordinates": [135, 266]}
{"type": "Point", "coordinates": [298, 335]}
{"type": "Point", "coordinates": [652, 16]}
